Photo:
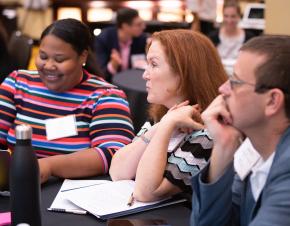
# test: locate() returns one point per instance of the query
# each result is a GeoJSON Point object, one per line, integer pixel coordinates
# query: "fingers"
{"type": "Point", "coordinates": [217, 111]}
{"type": "Point", "coordinates": [173, 108]}
{"type": "Point", "coordinates": [115, 56]}
{"type": "Point", "coordinates": [197, 107]}
{"type": "Point", "coordinates": [184, 103]}
{"type": "Point", "coordinates": [191, 126]}
{"type": "Point", "coordinates": [197, 125]}
{"type": "Point", "coordinates": [184, 117]}
{"type": "Point", "coordinates": [114, 52]}
{"type": "Point", "coordinates": [196, 113]}
{"type": "Point", "coordinates": [219, 124]}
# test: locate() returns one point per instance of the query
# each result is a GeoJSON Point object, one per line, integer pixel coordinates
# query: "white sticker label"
{"type": "Point", "coordinates": [61, 127]}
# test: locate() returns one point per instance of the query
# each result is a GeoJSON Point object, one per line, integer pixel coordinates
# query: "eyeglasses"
{"type": "Point", "coordinates": [234, 82]}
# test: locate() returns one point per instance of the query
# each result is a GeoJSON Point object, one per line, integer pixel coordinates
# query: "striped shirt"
{"type": "Point", "coordinates": [101, 111]}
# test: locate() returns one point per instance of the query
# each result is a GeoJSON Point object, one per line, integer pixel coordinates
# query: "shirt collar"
{"type": "Point", "coordinates": [260, 172]}
{"type": "Point", "coordinates": [125, 44]}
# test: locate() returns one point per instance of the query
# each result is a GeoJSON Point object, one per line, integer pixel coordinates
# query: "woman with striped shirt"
{"type": "Point", "coordinates": [70, 110]}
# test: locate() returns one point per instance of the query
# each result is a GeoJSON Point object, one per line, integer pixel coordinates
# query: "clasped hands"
{"type": "Point", "coordinates": [184, 117]}
{"type": "Point", "coordinates": [216, 118]}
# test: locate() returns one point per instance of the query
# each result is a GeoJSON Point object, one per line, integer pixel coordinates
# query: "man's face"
{"type": "Point", "coordinates": [136, 28]}
{"type": "Point", "coordinates": [244, 104]}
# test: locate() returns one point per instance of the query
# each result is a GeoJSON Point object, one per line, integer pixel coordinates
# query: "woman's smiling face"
{"type": "Point", "coordinates": [58, 64]}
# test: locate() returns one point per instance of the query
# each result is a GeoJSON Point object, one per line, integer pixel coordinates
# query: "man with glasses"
{"type": "Point", "coordinates": [117, 46]}
{"type": "Point", "coordinates": [249, 184]}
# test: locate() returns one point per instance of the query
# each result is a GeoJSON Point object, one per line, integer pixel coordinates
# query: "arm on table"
{"type": "Point", "coordinates": [125, 161]}
{"type": "Point", "coordinates": [79, 164]}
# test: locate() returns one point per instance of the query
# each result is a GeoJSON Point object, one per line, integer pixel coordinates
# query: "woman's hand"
{"type": "Point", "coordinates": [150, 182]}
{"type": "Point", "coordinates": [184, 103]}
{"type": "Point", "coordinates": [44, 169]}
{"type": "Point", "coordinates": [184, 117]}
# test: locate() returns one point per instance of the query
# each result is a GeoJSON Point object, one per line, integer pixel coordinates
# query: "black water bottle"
{"type": "Point", "coordinates": [24, 180]}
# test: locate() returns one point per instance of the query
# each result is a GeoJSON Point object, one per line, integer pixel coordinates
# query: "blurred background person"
{"type": "Point", "coordinates": [204, 12]}
{"type": "Point", "coordinates": [6, 62]}
{"type": "Point", "coordinates": [183, 70]}
{"type": "Point", "coordinates": [229, 37]}
{"type": "Point", "coordinates": [116, 46]}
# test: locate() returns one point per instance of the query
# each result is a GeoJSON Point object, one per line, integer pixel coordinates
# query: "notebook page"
{"type": "Point", "coordinates": [60, 202]}
{"type": "Point", "coordinates": [106, 198]}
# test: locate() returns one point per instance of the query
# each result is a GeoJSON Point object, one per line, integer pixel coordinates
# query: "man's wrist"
{"type": "Point", "coordinates": [111, 69]}
{"type": "Point", "coordinates": [219, 162]}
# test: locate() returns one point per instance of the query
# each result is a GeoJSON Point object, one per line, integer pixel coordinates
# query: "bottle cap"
{"type": "Point", "coordinates": [23, 132]}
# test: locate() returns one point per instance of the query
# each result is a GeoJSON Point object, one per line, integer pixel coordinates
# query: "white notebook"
{"type": "Point", "coordinates": [110, 200]}
{"type": "Point", "coordinates": [61, 203]}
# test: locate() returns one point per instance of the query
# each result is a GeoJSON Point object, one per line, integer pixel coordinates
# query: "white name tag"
{"type": "Point", "coordinates": [245, 158]}
{"type": "Point", "coordinates": [61, 127]}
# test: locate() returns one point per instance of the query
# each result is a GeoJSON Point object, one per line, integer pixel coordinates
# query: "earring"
{"type": "Point", "coordinates": [84, 64]}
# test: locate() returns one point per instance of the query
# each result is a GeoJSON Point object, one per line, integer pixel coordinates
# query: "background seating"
{"type": "Point", "coordinates": [20, 48]}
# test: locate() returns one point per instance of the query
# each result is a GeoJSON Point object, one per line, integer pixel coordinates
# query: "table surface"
{"type": "Point", "coordinates": [175, 215]}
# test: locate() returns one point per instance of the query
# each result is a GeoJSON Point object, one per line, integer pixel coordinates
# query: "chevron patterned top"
{"type": "Point", "coordinates": [186, 157]}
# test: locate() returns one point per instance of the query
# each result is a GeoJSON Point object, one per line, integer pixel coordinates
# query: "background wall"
{"type": "Point", "coordinates": [30, 21]}
{"type": "Point", "coordinates": [33, 22]}
{"type": "Point", "coordinates": [277, 17]}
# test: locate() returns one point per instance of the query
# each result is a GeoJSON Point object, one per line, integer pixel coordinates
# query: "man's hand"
{"type": "Point", "coordinates": [218, 121]}
{"type": "Point", "coordinates": [116, 60]}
